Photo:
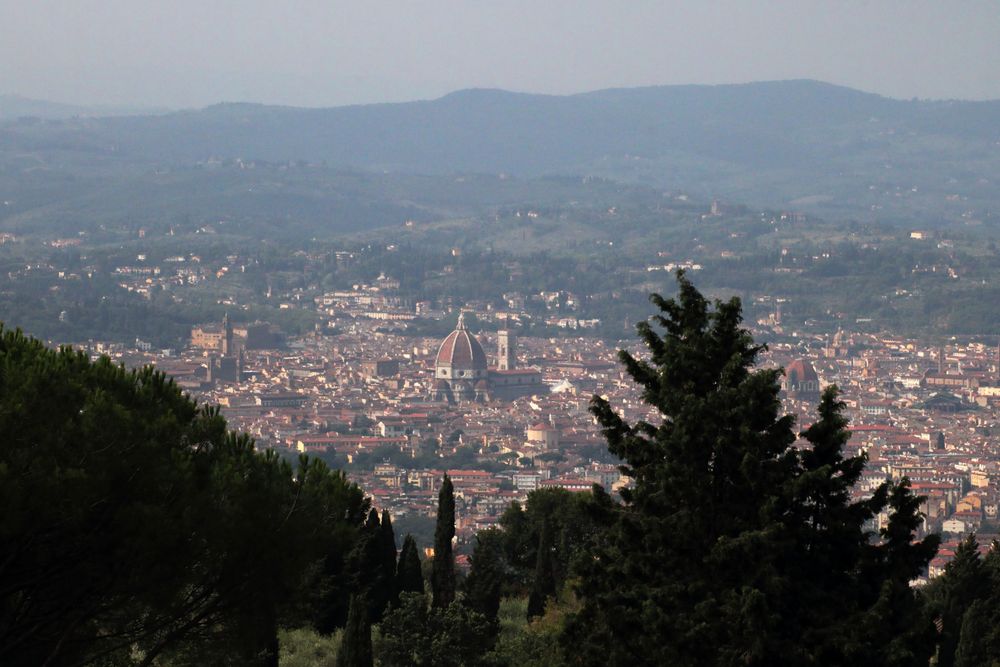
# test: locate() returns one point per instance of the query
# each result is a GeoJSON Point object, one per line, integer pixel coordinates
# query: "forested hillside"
{"type": "Point", "coordinates": [819, 147]}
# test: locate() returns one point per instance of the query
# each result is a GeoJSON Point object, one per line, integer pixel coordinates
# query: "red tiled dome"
{"type": "Point", "coordinates": [800, 373]}
{"type": "Point", "coordinates": [461, 350]}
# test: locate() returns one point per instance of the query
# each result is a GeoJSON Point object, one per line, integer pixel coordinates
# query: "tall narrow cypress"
{"type": "Point", "coordinates": [484, 585]}
{"type": "Point", "coordinates": [443, 573]}
{"type": "Point", "coordinates": [409, 576]}
{"type": "Point", "coordinates": [544, 586]}
{"type": "Point", "coordinates": [364, 569]}
{"type": "Point", "coordinates": [356, 644]}
{"type": "Point", "coordinates": [387, 565]}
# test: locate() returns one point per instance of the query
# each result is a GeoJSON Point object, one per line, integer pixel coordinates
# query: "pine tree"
{"type": "Point", "coordinates": [978, 623]}
{"type": "Point", "coordinates": [825, 540]}
{"type": "Point", "coordinates": [356, 644]}
{"type": "Point", "coordinates": [543, 586]}
{"type": "Point", "coordinates": [214, 545]}
{"type": "Point", "coordinates": [692, 530]}
{"type": "Point", "coordinates": [443, 574]}
{"type": "Point", "coordinates": [409, 575]}
{"type": "Point", "coordinates": [710, 558]}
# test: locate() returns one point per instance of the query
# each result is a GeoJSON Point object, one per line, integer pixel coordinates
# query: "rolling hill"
{"type": "Point", "coordinates": [811, 146]}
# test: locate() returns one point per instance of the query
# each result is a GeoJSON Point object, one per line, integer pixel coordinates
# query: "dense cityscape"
{"type": "Point", "coordinates": [517, 334]}
{"type": "Point", "coordinates": [396, 412]}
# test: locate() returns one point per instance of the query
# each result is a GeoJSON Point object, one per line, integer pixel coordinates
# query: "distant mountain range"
{"type": "Point", "coordinates": [15, 106]}
{"type": "Point", "coordinates": [799, 144]}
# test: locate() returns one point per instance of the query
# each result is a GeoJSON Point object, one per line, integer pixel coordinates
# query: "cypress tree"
{"type": "Point", "coordinates": [543, 586]}
{"type": "Point", "coordinates": [409, 575]}
{"type": "Point", "coordinates": [364, 567]}
{"type": "Point", "coordinates": [387, 546]}
{"type": "Point", "coordinates": [356, 644]}
{"type": "Point", "coordinates": [378, 571]}
{"type": "Point", "coordinates": [443, 573]}
{"type": "Point", "coordinates": [484, 585]}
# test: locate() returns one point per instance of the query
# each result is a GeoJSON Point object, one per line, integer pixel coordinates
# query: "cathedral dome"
{"type": "Point", "coordinates": [801, 380]}
{"type": "Point", "coordinates": [461, 351]}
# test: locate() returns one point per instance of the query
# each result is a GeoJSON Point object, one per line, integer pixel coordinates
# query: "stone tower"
{"type": "Point", "coordinates": [506, 350]}
{"type": "Point", "coordinates": [227, 336]}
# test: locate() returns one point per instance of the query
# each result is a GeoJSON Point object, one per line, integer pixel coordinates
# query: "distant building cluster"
{"type": "Point", "coordinates": [400, 410]}
{"type": "Point", "coordinates": [461, 372]}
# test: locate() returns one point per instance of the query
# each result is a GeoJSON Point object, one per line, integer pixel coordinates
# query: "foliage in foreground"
{"type": "Point", "coordinates": [134, 525]}
{"type": "Point", "coordinates": [418, 633]}
{"type": "Point", "coordinates": [734, 547]}
{"type": "Point", "coordinates": [304, 647]}
{"type": "Point", "coordinates": [966, 601]}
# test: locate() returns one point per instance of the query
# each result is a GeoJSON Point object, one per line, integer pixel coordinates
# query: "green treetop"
{"type": "Point", "coordinates": [443, 573]}
{"type": "Point", "coordinates": [704, 563]}
{"type": "Point", "coordinates": [409, 575]}
{"type": "Point", "coordinates": [134, 526]}
{"type": "Point", "coordinates": [356, 643]}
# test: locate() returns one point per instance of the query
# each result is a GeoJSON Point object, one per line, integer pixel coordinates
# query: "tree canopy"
{"type": "Point", "coordinates": [133, 524]}
{"type": "Point", "coordinates": [733, 545]}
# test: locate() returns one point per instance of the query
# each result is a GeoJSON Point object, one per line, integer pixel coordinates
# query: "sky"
{"type": "Point", "coordinates": [192, 53]}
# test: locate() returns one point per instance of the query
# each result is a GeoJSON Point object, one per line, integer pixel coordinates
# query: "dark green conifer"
{"type": "Point", "coordinates": [732, 546]}
{"type": "Point", "coordinates": [387, 546]}
{"type": "Point", "coordinates": [979, 642]}
{"type": "Point", "coordinates": [356, 644]}
{"type": "Point", "coordinates": [893, 627]}
{"type": "Point", "coordinates": [132, 522]}
{"type": "Point", "coordinates": [409, 574]}
{"type": "Point", "coordinates": [543, 586]}
{"type": "Point", "coordinates": [964, 581]}
{"type": "Point", "coordinates": [453, 636]}
{"type": "Point", "coordinates": [484, 585]}
{"type": "Point", "coordinates": [365, 568]}
{"type": "Point", "coordinates": [443, 574]}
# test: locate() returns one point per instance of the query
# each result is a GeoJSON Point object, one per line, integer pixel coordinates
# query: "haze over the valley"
{"type": "Point", "coordinates": [185, 54]}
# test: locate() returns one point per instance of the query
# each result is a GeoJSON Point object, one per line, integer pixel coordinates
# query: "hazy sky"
{"type": "Point", "coordinates": [182, 53]}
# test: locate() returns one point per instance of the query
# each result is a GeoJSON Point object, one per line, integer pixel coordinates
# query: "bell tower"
{"type": "Point", "coordinates": [227, 336]}
{"type": "Point", "coordinates": [506, 350]}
